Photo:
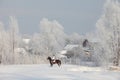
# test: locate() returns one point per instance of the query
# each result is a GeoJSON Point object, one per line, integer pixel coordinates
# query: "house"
{"type": "Point", "coordinates": [64, 52]}
{"type": "Point", "coordinates": [85, 49]}
{"type": "Point", "coordinates": [21, 51]}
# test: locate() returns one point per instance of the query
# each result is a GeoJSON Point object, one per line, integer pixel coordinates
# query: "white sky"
{"type": "Point", "coordinates": [75, 15]}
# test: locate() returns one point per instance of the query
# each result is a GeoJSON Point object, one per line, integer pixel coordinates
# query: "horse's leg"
{"type": "Point", "coordinates": [59, 63]}
{"type": "Point", "coordinates": [51, 64]}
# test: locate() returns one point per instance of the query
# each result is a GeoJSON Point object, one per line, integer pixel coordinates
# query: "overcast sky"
{"type": "Point", "coordinates": [77, 16]}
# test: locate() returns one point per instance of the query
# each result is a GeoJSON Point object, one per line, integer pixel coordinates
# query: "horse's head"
{"type": "Point", "coordinates": [49, 58]}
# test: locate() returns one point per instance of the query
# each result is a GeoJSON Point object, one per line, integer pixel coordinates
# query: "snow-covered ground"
{"type": "Point", "coordinates": [65, 72]}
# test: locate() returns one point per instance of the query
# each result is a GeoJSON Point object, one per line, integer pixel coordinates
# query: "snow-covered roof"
{"type": "Point", "coordinates": [26, 41]}
{"type": "Point", "coordinates": [20, 50]}
{"type": "Point", "coordinates": [70, 46]}
{"type": "Point", "coordinates": [63, 52]}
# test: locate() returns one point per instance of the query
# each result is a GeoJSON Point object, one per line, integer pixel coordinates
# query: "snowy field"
{"type": "Point", "coordinates": [65, 72]}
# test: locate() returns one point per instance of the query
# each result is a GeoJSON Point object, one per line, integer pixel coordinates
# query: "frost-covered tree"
{"type": "Point", "coordinates": [13, 36]}
{"type": "Point", "coordinates": [53, 36]}
{"type": "Point", "coordinates": [1, 41]}
{"type": "Point", "coordinates": [4, 45]}
{"type": "Point", "coordinates": [108, 27]}
{"type": "Point", "coordinates": [74, 38]}
{"type": "Point", "coordinates": [36, 44]}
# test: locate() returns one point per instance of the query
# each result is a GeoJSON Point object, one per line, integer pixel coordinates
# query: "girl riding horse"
{"type": "Point", "coordinates": [57, 61]}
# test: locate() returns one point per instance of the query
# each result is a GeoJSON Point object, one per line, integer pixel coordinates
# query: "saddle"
{"type": "Point", "coordinates": [53, 60]}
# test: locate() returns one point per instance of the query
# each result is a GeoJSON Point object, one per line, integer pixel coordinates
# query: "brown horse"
{"type": "Point", "coordinates": [57, 61]}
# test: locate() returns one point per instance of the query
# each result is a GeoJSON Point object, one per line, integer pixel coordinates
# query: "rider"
{"type": "Point", "coordinates": [53, 58]}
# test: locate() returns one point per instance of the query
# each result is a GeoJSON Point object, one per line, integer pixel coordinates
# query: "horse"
{"type": "Point", "coordinates": [57, 61]}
